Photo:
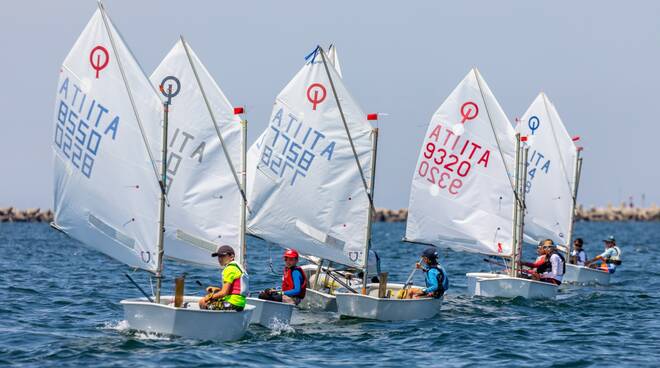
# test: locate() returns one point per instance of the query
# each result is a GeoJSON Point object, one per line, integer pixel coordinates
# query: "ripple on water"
{"type": "Point", "coordinates": [62, 309]}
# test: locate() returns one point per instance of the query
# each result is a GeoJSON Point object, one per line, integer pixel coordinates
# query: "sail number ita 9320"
{"type": "Point", "coordinates": [442, 168]}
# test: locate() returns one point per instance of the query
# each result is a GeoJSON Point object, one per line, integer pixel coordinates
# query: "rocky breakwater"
{"type": "Point", "coordinates": [620, 213]}
{"type": "Point", "coordinates": [609, 213]}
{"type": "Point", "coordinates": [387, 215]}
{"type": "Point", "coordinates": [10, 214]}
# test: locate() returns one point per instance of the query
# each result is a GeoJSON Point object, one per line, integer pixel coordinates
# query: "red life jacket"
{"type": "Point", "coordinates": [287, 280]}
{"type": "Point", "coordinates": [239, 286]}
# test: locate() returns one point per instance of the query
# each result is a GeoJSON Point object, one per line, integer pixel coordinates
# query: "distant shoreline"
{"type": "Point", "coordinates": [609, 213]}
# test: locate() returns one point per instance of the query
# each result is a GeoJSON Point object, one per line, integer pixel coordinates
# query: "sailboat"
{"type": "Point", "coordinates": [109, 193]}
{"type": "Point", "coordinates": [467, 192]}
{"type": "Point", "coordinates": [325, 280]}
{"type": "Point", "coordinates": [312, 167]}
{"type": "Point", "coordinates": [318, 296]}
{"type": "Point", "coordinates": [206, 194]}
{"type": "Point", "coordinates": [552, 185]}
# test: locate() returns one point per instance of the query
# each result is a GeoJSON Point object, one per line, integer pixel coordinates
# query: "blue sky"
{"type": "Point", "coordinates": [597, 61]}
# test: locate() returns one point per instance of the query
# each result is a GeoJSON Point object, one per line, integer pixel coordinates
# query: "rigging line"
{"type": "Point", "coordinates": [215, 123]}
{"type": "Point", "coordinates": [561, 157]}
{"type": "Point", "coordinates": [130, 96]}
{"type": "Point", "coordinates": [490, 120]}
{"type": "Point", "coordinates": [348, 133]}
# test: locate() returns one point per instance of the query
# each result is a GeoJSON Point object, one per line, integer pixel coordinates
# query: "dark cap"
{"type": "Point", "coordinates": [223, 250]}
{"type": "Point", "coordinates": [610, 239]}
{"type": "Point", "coordinates": [579, 242]}
{"type": "Point", "coordinates": [430, 253]}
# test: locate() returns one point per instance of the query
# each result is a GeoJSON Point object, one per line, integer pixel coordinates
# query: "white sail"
{"type": "Point", "coordinates": [333, 58]}
{"type": "Point", "coordinates": [106, 191]}
{"type": "Point", "coordinates": [462, 190]}
{"type": "Point", "coordinates": [253, 152]}
{"type": "Point", "coordinates": [549, 186]}
{"type": "Point", "coordinates": [305, 189]}
{"type": "Point", "coordinates": [203, 197]}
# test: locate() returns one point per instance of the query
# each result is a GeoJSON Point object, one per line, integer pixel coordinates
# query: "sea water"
{"type": "Point", "coordinates": [59, 306]}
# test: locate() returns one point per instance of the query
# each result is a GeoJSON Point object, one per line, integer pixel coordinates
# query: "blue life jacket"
{"type": "Point", "coordinates": [442, 279]}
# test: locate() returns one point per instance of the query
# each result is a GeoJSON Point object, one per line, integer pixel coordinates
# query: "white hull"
{"type": "Point", "coordinates": [386, 309]}
{"type": "Point", "coordinates": [494, 285]}
{"type": "Point", "coordinates": [270, 314]}
{"type": "Point", "coordinates": [322, 299]}
{"type": "Point", "coordinates": [584, 275]}
{"type": "Point", "coordinates": [319, 301]}
{"type": "Point", "coordinates": [190, 322]}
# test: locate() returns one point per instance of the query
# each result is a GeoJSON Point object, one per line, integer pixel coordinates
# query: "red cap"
{"type": "Point", "coordinates": [576, 138]}
{"type": "Point", "coordinates": [239, 110]}
{"type": "Point", "coordinates": [291, 253]}
{"type": "Point", "coordinates": [372, 116]}
{"type": "Point", "coordinates": [523, 138]}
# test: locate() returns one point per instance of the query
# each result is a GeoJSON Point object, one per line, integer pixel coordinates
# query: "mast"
{"type": "Point", "coordinates": [163, 167]}
{"type": "Point", "coordinates": [370, 213]}
{"type": "Point", "coordinates": [577, 170]}
{"type": "Point", "coordinates": [519, 205]}
{"type": "Point", "coordinates": [368, 188]}
{"type": "Point", "coordinates": [516, 212]}
{"type": "Point", "coordinates": [515, 184]}
{"type": "Point", "coordinates": [163, 190]}
{"type": "Point", "coordinates": [243, 182]}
